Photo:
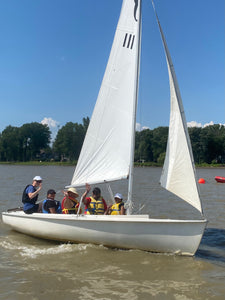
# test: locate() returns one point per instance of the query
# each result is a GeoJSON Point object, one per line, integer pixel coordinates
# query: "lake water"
{"type": "Point", "coordinates": [31, 268]}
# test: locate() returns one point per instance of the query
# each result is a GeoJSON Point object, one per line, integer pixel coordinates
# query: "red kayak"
{"type": "Point", "coordinates": [220, 179]}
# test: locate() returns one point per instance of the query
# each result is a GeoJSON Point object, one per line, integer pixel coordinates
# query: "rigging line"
{"type": "Point", "coordinates": [110, 192]}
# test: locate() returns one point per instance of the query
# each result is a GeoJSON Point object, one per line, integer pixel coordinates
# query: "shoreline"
{"type": "Point", "coordinates": [73, 164]}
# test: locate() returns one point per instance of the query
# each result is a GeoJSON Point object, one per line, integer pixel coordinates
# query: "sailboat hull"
{"type": "Point", "coordinates": [126, 232]}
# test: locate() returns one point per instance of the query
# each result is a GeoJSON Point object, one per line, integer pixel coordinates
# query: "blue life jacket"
{"type": "Point", "coordinates": [58, 210]}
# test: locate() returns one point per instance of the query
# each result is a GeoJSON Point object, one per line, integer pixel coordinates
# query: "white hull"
{"type": "Point", "coordinates": [128, 232]}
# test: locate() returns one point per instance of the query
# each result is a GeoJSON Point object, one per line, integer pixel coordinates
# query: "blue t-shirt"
{"type": "Point", "coordinates": [29, 189]}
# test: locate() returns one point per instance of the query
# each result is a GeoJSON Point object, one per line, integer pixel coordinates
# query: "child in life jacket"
{"type": "Point", "coordinates": [95, 204]}
{"type": "Point", "coordinates": [118, 207]}
{"type": "Point", "coordinates": [50, 205]}
{"type": "Point", "coordinates": [70, 204]}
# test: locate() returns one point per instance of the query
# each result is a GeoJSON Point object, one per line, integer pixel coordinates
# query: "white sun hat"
{"type": "Point", "coordinates": [37, 178]}
{"type": "Point", "coordinates": [118, 195]}
{"type": "Point", "coordinates": [73, 190]}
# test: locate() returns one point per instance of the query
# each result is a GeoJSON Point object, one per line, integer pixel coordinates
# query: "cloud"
{"type": "Point", "coordinates": [53, 126]}
{"type": "Point", "coordinates": [208, 124]}
{"type": "Point", "coordinates": [196, 124]}
{"type": "Point", "coordinates": [189, 124]}
{"type": "Point", "coordinates": [50, 122]}
{"type": "Point", "coordinates": [140, 128]}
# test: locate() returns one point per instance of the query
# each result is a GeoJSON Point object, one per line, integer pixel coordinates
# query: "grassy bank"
{"type": "Point", "coordinates": [40, 163]}
{"type": "Point", "coordinates": [55, 163]}
{"type": "Point", "coordinates": [203, 165]}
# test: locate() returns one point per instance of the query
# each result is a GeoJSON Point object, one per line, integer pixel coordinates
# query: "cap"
{"type": "Point", "coordinates": [118, 195]}
{"type": "Point", "coordinates": [73, 190]}
{"type": "Point", "coordinates": [37, 178]}
{"type": "Point", "coordinates": [51, 191]}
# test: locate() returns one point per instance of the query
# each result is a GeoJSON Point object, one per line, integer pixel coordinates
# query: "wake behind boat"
{"type": "Point", "coordinates": [100, 163]}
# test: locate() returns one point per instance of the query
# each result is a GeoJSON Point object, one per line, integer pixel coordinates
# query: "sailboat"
{"type": "Point", "coordinates": [100, 163]}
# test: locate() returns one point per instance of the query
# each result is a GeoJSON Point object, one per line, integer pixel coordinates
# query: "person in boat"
{"type": "Point", "coordinates": [94, 205]}
{"type": "Point", "coordinates": [70, 204]}
{"type": "Point", "coordinates": [118, 207]}
{"type": "Point", "coordinates": [50, 205]}
{"type": "Point", "coordinates": [30, 196]}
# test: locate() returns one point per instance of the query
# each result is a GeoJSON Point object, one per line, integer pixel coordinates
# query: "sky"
{"type": "Point", "coordinates": [53, 55]}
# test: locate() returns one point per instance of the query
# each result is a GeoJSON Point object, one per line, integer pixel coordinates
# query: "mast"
{"type": "Point", "coordinates": [136, 84]}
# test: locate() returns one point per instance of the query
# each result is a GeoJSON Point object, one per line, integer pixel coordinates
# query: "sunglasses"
{"type": "Point", "coordinates": [39, 181]}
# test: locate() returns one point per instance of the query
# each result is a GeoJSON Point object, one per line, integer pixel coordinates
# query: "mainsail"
{"type": "Point", "coordinates": [107, 151]}
{"type": "Point", "coordinates": [178, 174]}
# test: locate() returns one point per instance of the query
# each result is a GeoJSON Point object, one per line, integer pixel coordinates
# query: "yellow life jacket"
{"type": "Point", "coordinates": [72, 210]}
{"type": "Point", "coordinates": [95, 207]}
{"type": "Point", "coordinates": [116, 208]}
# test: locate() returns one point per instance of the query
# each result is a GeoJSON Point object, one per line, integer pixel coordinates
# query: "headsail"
{"type": "Point", "coordinates": [178, 174]}
{"type": "Point", "coordinates": [107, 148]}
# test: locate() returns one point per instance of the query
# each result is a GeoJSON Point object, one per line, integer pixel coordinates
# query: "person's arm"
{"type": "Point", "coordinates": [108, 210]}
{"type": "Point", "coordinates": [52, 210]}
{"type": "Point", "coordinates": [122, 210]}
{"type": "Point", "coordinates": [105, 205]}
{"type": "Point", "coordinates": [67, 203]}
{"type": "Point", "coordinates": [34, 194]}
{"type": "Point", "coordinates": [83, 198]}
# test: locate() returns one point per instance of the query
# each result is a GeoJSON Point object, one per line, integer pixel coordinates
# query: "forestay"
{"type": "Point", "coordinates": [107, 150]}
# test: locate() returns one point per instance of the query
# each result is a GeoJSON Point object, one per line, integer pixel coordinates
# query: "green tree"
{"type": "Point", "coordinates": [34, 137]}
{"type": "Point", "coordinates": [69, 140]}
{"type": "Point", "coordinates": [197, 147]}
{"type": "Point", "coordinates": [86, 122]}
{"type": "Point", "coordinates": [143, 145]}
{"type": "Point", "coordinates": [9, 144]}
{"type": "Point", "coordinates": [213, 143]}
{"type": "Point", "coordinates": [159, 141]}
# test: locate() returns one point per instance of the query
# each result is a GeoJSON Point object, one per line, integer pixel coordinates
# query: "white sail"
{"type": "Point", "coordinates": [178, 174]}
{"type": "Point", "coordinates": [107, 148]}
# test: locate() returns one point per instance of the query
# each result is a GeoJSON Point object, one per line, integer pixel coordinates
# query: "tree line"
{"type": "Point", "coordinates": [208, 144]}
{"type": "Point", "coordinates": [32, 142]}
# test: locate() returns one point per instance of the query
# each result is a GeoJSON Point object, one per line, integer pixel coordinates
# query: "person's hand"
{"type": "Point", "coordinates": [40, 186]}
{"type": "Point", "coordinates": [65, 193]}
{"type": "Point", "coordinates": [88, 187]}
